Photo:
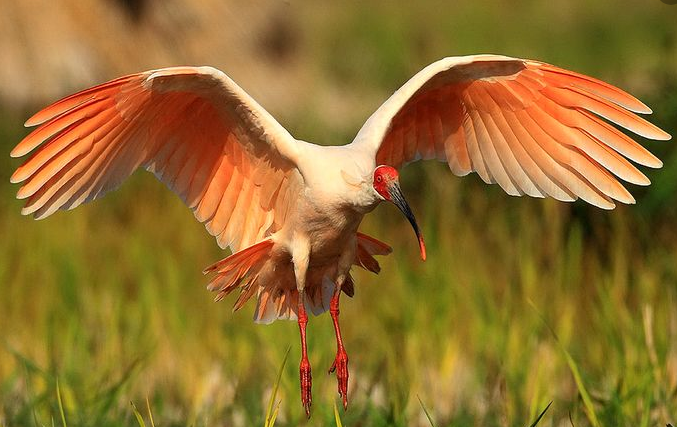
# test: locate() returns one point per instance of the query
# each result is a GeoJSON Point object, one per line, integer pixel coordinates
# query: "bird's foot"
{"type": "Point", "coordinates": [340, 366]}
{"type": "Point", "coordinates": [306, 385]}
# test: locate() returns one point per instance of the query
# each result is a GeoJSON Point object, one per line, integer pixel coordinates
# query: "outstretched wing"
{"type": "Point", "coordinates": [529, 126]}
{"type": "Point", "coordinates": [193, 127]}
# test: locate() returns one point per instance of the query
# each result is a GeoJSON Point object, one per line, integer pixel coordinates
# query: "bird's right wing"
{"type": "Point", "coordinates": [531, 127]}
{"type": "Point", "coordinates": [193, 127]}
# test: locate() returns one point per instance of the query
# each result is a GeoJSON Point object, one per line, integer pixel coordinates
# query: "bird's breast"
{"type": "Point", "coordinates": [329, 227]}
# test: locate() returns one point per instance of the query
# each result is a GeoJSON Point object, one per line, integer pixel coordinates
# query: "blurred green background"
{"type": "Point", "coordinates": [520, 303]}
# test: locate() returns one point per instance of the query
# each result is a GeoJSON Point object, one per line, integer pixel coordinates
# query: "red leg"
{"type": "Point", "coordinates": [304, 369]}
{"type": "Point", "coordinates": [340, 364]}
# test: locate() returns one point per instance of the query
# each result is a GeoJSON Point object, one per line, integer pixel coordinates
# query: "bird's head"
{"type": "Point", "coordinates": [387, 185]}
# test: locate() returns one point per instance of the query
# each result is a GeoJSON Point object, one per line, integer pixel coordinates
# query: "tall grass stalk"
{"type": "Point", "coordinates": [274, 407]}
{"type": "Point", "coordinates": [61, 411]}
{"type": "Point", "coordinates": [540, 416]}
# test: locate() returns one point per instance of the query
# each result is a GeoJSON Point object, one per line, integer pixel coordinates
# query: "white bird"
{"type": "Point", "coordinates": [289, 210]}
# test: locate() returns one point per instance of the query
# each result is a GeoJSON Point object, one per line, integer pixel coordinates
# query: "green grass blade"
{"type": "Point", "coordinates": [587, 401]}
{"type": "Point", "coordinates": [275, 412]}
{"type": "Point", "coordinates": [538, 419]}
{"type": "Point", "coordinates": [137, 414]}
{"type": "Point", "coordinates": [29, 389]}
{"type": "Point", "coordinates": [573, 367]}
{"type": "Point", "coordinates": [271, 414]}
{"type": "Point", "coordinates": [337, 417]}
{"type": "Point", "coordinates": [425, 411]}
{"type": "Point", "coordinates": [113, 392]}
{"type": "Point", "coordinates": [150, 413]}
{"type": "Point", "coordinates": [60, 401]}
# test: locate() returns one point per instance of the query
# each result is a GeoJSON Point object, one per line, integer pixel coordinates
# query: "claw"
{"type": "Point", "coordinates": [306, 385]}
{"type": "Point", "coordinates": [340, 366]}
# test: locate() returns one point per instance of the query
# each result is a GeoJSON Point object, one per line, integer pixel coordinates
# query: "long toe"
{"type": "Point", "coordinates": [340, 366]}
{"type": "Point", "coordinates": [306, 385]}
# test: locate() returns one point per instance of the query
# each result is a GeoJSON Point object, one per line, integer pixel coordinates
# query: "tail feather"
{"type": "Point", "coordinates": [373, 246]}
{"type": "Point", "coordinates": [246, 293]}
{"type": "Point", "coordinates": [276, 303]}
{"type": "Point", "coordinates": [235, 259]}
{"type": "Point", "coordinates": [348, 287]}
{"type": "Point", "coordinates": [367, 247]}
{"type": "Point", "coordinates": [239, 270]}
{"type": "Point", "coordinates": [277, 297]}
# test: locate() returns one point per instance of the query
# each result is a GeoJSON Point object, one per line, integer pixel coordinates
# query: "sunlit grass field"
{"type": "Point", "coordinates": [520, 303]}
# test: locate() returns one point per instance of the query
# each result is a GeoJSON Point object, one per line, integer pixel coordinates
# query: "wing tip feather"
{"type": "Point", "coordinates": [17, 152]}
{"type": "Point", "coordinates": [662, 135]}
{"type": "Point", "coordinates": [34, 120]}
{"type": "Point", "coordinates": [29, 210]}
{"type": "Point", "coordinates": [16, 177]}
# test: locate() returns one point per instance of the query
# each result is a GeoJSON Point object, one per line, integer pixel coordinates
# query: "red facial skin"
{"type": "Point", "coordinates": [384, 175]}
{"type": "Point", "coordinates": [386, 183]}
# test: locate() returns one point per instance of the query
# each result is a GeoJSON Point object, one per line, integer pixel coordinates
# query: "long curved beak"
{"type": "Point", "coordinates": [398, 199]}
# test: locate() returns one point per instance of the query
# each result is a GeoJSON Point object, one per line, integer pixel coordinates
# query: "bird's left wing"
{"type": "Point", "coordinates": [531, 127]}
{"type": "Point", "coordinates": [193, 127]}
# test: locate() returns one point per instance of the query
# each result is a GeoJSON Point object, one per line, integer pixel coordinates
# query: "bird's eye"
{"type": "Point", "coordinates": [379, 178]}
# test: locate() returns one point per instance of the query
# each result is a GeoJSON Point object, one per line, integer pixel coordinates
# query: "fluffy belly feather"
{"type": "Point", "coordinates": [330, 230]}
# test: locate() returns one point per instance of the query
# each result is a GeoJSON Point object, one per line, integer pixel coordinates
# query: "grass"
{"type": "Point", "coordinates": [521, 302]}
{"type": "Point", "coordinates": [582, 390]}
{"type": "Point", "coordinates": [274, 408]}
{"type": "Point", "coordinates": [121, 316]}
